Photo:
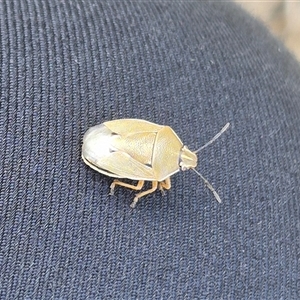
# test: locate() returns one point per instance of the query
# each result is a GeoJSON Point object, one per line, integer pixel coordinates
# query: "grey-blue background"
{"type": "Point", "coordinates": [68, 65]}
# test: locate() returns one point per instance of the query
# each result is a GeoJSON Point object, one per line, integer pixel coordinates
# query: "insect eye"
{"type": "Point", "coordinates": [182, 166]}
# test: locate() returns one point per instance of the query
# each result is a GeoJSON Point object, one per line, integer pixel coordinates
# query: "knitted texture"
{"type": "Point", "coordinates": [69, 65]}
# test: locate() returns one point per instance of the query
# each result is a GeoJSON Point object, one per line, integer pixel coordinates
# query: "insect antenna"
{"type": "Point", "coordinates": [214, 138]}
{"type": "Point", "coordinates": [209, 186]}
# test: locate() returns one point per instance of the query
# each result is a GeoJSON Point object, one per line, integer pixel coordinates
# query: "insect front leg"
{"type": "Point", "coordinates": [127, 185]}
{"type": "Point", "coordinates": [164, 185]}
{"type": "Point", "coordinates": [142, 194]}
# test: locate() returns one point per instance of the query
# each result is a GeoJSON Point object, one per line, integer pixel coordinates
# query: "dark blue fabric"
{"type": "Point", "coordinates": [68, 65]}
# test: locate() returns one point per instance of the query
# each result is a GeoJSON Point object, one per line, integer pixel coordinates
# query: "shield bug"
{"type": "Point", "coordinates": [139, 150]}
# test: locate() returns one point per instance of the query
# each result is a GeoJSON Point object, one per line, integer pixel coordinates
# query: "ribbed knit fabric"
{"type": "Point", "coordinates": [69, 65]}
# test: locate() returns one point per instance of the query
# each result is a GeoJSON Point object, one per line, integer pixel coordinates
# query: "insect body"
{"type": "Point", "coordinates": [139, 150]}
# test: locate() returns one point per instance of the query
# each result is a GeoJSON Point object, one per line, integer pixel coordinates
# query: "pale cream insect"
{"type": "Point", "coordinates": [139, 150]}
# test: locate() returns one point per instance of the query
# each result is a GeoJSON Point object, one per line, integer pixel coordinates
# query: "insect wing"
{"type": "Point", "coordinates": [124, 127]}
{"type": "Point", "coordinates": [121, 165]}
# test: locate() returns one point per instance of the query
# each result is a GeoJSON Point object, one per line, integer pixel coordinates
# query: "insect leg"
{"type": "Point", "coordinates": [127, 185]}
{"type": "Point", "coordinates": [142, 194]}
{"type": "Point", "coordinates": [166, 184]}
